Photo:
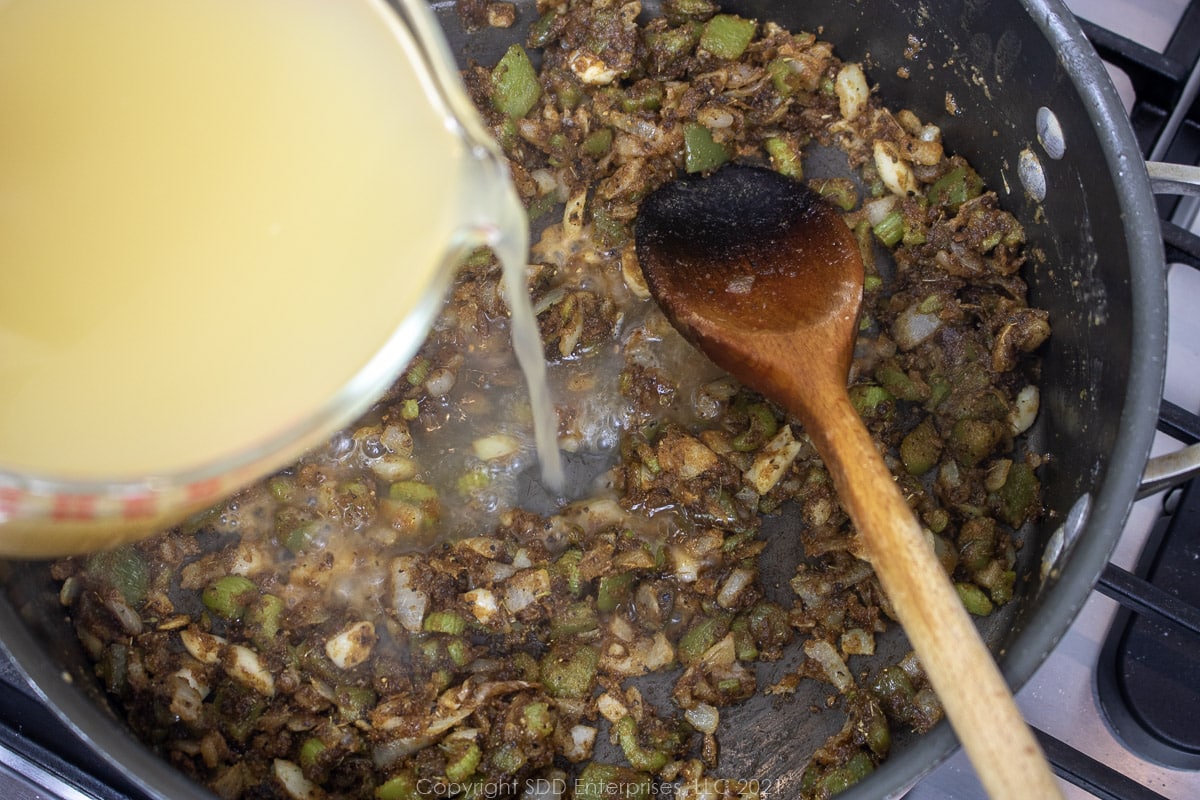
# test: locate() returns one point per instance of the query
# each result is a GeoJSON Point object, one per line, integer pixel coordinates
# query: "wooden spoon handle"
{"type": "Point", "coordinates": [974, 694]}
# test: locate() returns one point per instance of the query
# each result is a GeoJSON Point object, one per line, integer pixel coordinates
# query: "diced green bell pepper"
{"type": "Point", "coordinates": [701, 153]}
{"type": "Point", "coordinates": [727, 35]}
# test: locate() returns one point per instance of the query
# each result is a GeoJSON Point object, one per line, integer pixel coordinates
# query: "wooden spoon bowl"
{"type": "Point", "coordinates": [766, 279]}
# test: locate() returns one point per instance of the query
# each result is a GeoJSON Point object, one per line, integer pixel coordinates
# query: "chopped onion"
{"type": "Point", "coordinates": [703, 718]}
{"type": "Point", "coordinates": [131, 621]}
{"type": "Point", "coordinates": [733, 587]}
{"type": "Point", "coordinates": [835, 668]}
{"type": "Point", "coordinates": [773, 462]}
{"type": "Point", "coordinates": [440, 382]}
{"type": "Point", "coordinates": [858, 642]}
{"type": "Point", "coordinates": [204, 647]}
{"type": "Point", "coordinates": [852, 91]}
{"type": "Point", "coordinates": [1025, 409]}
{"type": "Point", "coordinates": [351, 645]}
{"type": "Point", "coordinates": [291, 777]}
{"type": "Point", "coordinates": [247, 668]}
{"type": "Point", "coordinates": [721, 654]}
{"type": "Point", "coordinates": [914, 326]}
{"type": "Point", "coordinates": [581, 743]}
{"type": "Point", "coordinates": [524, 589]}
{"type": "Point", "coordinates": [496, 446]}
{"type": "Point", "coordinates": [893, 170]}
{"type": "Point", "coordinates": [187, 701]}
{"type": "Point", "coordinates": [611, 708]}
{"type": "Point", "coordinates": [388, 753]}
{"type": "Point", "coordinates": [714, 117]}
{"type": "Point", "coordinates": [879, 208]}
{"type": "Point", "coordinates": [483, 604]}
{"type": "Point", "coordinates": [408, 603]}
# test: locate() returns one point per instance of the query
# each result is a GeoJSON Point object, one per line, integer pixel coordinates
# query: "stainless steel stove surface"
{"type": "Point", "coordinates": [1076, 699]}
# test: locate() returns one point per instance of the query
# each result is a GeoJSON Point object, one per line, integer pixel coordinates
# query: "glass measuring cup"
{"type": "Point", "coordinates": [141, 387]}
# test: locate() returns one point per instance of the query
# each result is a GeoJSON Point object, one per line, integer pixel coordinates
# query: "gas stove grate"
{"type": "Point", "coordinates": [1148, 677]}
{"type": "Point", "coordinates": [1165, 117]}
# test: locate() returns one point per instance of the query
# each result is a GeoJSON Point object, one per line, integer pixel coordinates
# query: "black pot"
{"type": "Point", "coordinates": [993, 74]}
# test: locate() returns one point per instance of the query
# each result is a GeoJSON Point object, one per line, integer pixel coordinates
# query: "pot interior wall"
{"type": "Point", "coordinates": [981, 71]}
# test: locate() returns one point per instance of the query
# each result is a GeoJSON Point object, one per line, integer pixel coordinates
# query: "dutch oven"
{"type": "Point", "coordinates": [1016, 89]}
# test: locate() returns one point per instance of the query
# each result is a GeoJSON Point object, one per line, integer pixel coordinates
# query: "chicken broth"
{"type": "Point", "coordinates": [195, 196]}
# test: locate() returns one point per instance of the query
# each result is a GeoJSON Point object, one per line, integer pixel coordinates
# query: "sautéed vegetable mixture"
{"type": "Point", "coordinates": [406, 612]}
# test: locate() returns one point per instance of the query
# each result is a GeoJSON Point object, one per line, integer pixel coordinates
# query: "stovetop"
{"type": "Point", "coordinates": [1077, 698]}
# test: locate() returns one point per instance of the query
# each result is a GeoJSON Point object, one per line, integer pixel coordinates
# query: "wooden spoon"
{"type": "Point", "coordinates": [766, 279]}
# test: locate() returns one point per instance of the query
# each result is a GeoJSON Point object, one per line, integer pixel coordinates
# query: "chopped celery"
{"type": "Point", "coordinates": [538, 719]}
{"type": "Point", "coordinates": [229, 597]}
{"type": "Point", "coordinates": [445, 621]}
{"type": "Point", "coordinates": [839, 191]}
{"type": "Point", "coordinates": [818, 782]}
{"type": "Point", "coordinates": [921, 448]}
{"type": "Point", "coordinates": [598, 142]}
{"type": "Point", "coordinates": [412, 492]}
{"type": "Point", "coordinates": [744, 648]}
{"type": "Point", "coordinates": [569, 671]}
{"type": "Point", "coordinates": [639, 756]}
{"type": "Point", "coordinates": [785, 157]}
{"type": "Point", "coordinates": [762, 426]}
{"type": "Point", "coordinates": [867, 398]}
{"type": "Point", "coordinates": [282, 488]}
{"type": "Point", "coordinates": [900, 384]}
{"type": "Point", "coordinates": [541, 206]}
{"type": "Point", "coordinates": [783, 77]}
{"type": "Point", "coordinates": [974, 599]}
{"type": "Point", "coordinates": [1019, 495]}
{"type": "Point", "coordinates": [676, 10]}
{"type": "Point", "coordinates": [578, 617]}
{"type": "Point", "coordinates": [541, 32]}
{"type": "Point", "coordinates": [515, 87]}
{"type": "Point", "coordinates": [310, 752]}
{"type": "Point", "coordinates": [399, 787]}
{"type": "Point", "coordinates": [302, 536]}
{"type": "Point", "coordinates": [673, 43]}
{"type": "Point", "coordinates": [462, 758]}
{"type": "Point", "coordinates": [418, 371]}
{"type": "Point", "coordinates": [264, 618]}
{"type": "Point", "coordinates": [956, 187]}
{"type": "Point", "coordinates": [700, 637]}
{"type": "Point", "coordinates": [644, 95]}
{"type": "Point", "coordinates": [971, 440]}
{"type": "Point", "coordinates": [508, 758]}
{"type": "Point", "coordinates": [890, 229]}
{"type": "Point", "coordinates": [124, 569]}
{"type": "Point", "coordinates": [568, 566]}
{"type": "Point", "coordinates": [613, 590]}
{"type": "Point", "coordinates": [597, 780]}
{"type": "Point", "coordinates": [610, 230]}
{"type": "Point", "coordinates": [976, 543]}
{"type": "Point", "coordinates": [354, 702]}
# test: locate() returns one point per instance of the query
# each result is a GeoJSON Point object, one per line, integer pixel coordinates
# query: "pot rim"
{"type": "Point", "coordinates": [1061, 600]}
